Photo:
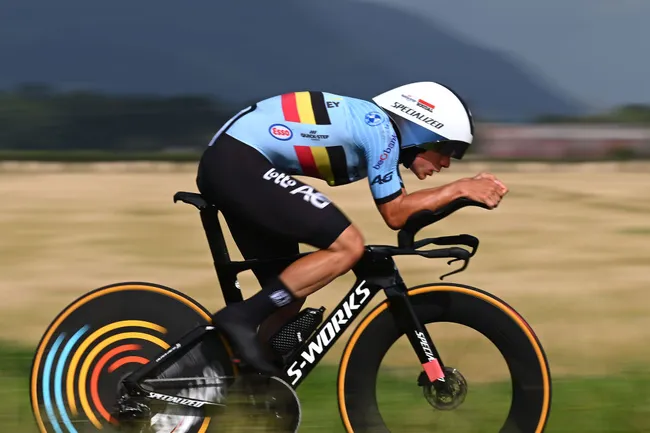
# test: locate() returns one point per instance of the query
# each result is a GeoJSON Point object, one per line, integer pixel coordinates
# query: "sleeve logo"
{"type": "Point", "coordinates": [382, 179]}
{"type": "Point", "coordinates": [373, 118]}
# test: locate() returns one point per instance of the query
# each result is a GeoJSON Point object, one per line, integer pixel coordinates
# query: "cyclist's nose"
{"type": "Point", "coordinates": [445, 161]}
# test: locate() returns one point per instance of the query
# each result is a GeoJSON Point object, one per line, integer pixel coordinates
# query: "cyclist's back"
{"type": "Point", "coordinates": [321, 135]}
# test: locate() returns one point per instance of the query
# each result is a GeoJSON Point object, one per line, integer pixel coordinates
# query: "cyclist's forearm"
{"type": "Point", "coordinates": [429, 199]}
{"type": "Point", "coordinates": [426, 199]}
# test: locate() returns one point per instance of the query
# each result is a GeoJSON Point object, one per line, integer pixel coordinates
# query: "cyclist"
{"type": "Point", "coordinates": [247, 172]}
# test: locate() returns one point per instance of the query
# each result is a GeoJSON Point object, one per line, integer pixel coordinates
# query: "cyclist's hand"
{"type": "Point", "coordinates": [484, 188]}
{"type": "Point", "coordinates": [484, 175]}
{"type": "Point", "coordinates": [504, 188]}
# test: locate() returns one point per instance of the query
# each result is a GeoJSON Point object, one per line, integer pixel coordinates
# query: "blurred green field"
{"type": "Point", "coordinates": [618, 403]}
{"type": "Point", "coordinates": [569, 248]}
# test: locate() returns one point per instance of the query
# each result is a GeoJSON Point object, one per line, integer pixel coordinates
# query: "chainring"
{"type": "Point", "coordinates": [259, 403]}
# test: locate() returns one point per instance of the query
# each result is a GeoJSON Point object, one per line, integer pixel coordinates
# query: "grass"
{"type": "Point", "coordinates": [643, 231]}
{"type": "Point", "coordinates": [606, 404]}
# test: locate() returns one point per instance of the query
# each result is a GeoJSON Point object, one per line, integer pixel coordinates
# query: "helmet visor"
{"type": "Point", "coordinates": [452, 148]}
{"type": "Point", "coordinates": [412, 134]}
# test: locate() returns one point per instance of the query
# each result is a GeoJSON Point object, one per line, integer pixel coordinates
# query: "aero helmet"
{"type": "Point", "coordinates": [430, 116]}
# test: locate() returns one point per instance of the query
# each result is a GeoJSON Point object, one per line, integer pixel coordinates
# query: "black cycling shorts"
{"type": "Point", "coordinates": [267, 211]}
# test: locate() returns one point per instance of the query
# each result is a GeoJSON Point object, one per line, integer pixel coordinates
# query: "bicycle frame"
{"type": "Point", "coordinates": [374, 272]}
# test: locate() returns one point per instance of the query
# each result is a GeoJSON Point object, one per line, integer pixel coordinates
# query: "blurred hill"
{"type": "Point", "coordinates": [245, 50]}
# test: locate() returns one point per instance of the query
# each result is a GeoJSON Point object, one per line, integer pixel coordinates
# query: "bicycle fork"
{"type": "Point", "coordinates": [409, 324]}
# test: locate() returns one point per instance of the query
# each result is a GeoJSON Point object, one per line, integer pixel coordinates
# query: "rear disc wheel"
{"type": "Point", "coordinates": [100, 338]}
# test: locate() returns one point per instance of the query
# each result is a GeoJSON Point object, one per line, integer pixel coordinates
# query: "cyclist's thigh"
{"type": "Point", "coordinates": [255, 242]}
{"type": "Point", "coordinates": [247, 186]}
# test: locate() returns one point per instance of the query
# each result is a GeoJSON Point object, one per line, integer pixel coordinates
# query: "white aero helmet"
{"type": "Point", "coordinates": [429, 115]}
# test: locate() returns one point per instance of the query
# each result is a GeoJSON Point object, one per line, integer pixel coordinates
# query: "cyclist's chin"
{"type": "Point", "coordinates": [420, 172]}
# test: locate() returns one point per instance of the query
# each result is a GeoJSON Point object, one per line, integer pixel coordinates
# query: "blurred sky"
{"type": "Point", "coordinates": [597, 50]}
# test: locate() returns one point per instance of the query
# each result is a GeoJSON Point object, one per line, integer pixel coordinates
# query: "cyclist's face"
{"type": "Point", "coordinates": [429, 162]}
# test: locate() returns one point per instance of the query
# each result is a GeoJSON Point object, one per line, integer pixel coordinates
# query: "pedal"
{"type": "Point", "coordinates": [263, 401]}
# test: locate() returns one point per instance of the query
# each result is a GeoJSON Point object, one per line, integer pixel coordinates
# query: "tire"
{"type": "Point", "coordinates": [455, 303]}
{"type": "Point", "coordinates": [100, 338]}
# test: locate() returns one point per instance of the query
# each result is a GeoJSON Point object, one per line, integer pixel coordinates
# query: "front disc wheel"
{"type": "Point", "coordinates": [499, 379]}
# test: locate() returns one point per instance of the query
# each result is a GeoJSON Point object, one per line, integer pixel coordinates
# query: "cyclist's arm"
{"type": "Point", "coordinates": [484, 188]}
{"type": "Point", "coordinates": [393, 202]}
{"type": "Point", "coordinates": [397, 211]}
{"type": "Point", "coordinates": [382, 157]}
{"type": "Point", "coordinates": [381, 149]}
{"type": "Point", "coordinates": [386, 186]}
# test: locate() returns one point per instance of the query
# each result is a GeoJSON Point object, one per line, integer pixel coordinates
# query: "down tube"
{"type": "Point", "coordinates": [315, 348]}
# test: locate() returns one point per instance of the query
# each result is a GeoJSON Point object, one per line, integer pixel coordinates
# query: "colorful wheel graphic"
{"type": "Point", "coordinates": [95, 342]}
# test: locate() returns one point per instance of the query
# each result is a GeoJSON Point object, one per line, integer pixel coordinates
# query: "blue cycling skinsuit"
{"type": "Point", "coordinates": [248, 168]}
{"type": "Point", "coordinates": [335, 138]}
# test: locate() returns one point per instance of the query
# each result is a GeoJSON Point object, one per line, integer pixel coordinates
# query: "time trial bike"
{"type": "Point", "coordinates": [145, 357]}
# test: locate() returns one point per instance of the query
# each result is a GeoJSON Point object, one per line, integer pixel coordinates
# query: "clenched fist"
{"type": "Point", "coordinates": [484, 188]}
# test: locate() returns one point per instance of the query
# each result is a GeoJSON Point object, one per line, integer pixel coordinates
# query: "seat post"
{"type": "Point", "coordinates": [220, 257]}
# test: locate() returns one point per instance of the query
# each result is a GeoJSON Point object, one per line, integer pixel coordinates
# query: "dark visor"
{"type": "Point", "coordinates": [451, 148]}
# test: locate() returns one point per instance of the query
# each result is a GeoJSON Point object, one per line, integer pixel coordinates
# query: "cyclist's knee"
{"type": "Point", "coordinates": [350, 244]}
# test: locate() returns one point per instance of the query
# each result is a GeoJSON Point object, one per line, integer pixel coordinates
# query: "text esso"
{"type": "Point", "coordinates": [280, 132]}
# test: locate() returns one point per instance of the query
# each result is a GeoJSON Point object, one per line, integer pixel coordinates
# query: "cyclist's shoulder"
{"type": "Point", "coordinates": [361, 106]}
{"type": "Point", "coordinates": [370, 125]}
{"type": "Point", "coordinates": [366, 115]}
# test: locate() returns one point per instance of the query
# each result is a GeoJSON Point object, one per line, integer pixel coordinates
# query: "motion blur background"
{"type": "Point", "coordinates": [106, 106]}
